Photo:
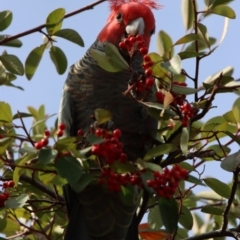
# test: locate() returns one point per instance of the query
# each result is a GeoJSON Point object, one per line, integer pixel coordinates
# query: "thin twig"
{"type": "Point", "coordinates": [39, 28]}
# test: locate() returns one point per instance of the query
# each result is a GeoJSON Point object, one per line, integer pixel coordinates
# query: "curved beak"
{"type": "Point", "coordinates": [135, 27]}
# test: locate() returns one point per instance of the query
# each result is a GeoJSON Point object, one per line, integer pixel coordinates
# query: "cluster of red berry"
{"type": "Point", "coordinates": [111, 149]}
{"type": "Point", "coordinates": [166, 183]}
{"type": "Point", "coordinates": [132, 44]}
{"type": "Point", "coordinates": [114, 181]}
{"type": "Point", "coordinates": [44, 141]}
{"type": "Point", "coordinates": [5, 195]}
{"type": "Point", "coordinates": [187, 112]}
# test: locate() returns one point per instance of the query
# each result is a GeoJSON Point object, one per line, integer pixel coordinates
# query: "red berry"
{"type": "Point", "coordinates": [132, 39]}
{"type": "Point", "coordinates": [117, 133]}
{"type": "Point", "coordinates": [139, 87]}
{"type": "Point", "coordinates": [99, 132]}
{"type": "Point", "coordinates": [80, 132]}
{"type": "Point", "coordinates": [44, 141]}
{"type": "Point", "coordinates": [95, 149]}
{"type": "Point", "coordinates": [3, 197]}
{"type": "Point", "coordinates": [5, 185]}
{"type": "Point", "coordinates": [160, 96]}
{"type": "Point", "coordinates": [11, 183]}
{"type": "Point", "coordinates": [143, 50]}
{"type": "Point", "coordinates": [150, 64]}
{"type": "Point", "coordinates": [140, 44]}
{"type": "Point", "coordinates": [149, 82]}
{"type": "Point", "coordinates": [47, 133]}
{"type": "Point", "coordinates": [139, 37]}
{"type": "Point", "coordinates": [38, 145]}
{"type": "Point", "coordinates": [127, 42]}
{"type": "Point", "coordinates": [60, 133]}
{"type": "Point", "coordinates": [1, 136]}
{"type": "Point", "coordinates": [148, 72]}
{"type": "Point", "coordinates": [122, 45]}
{"type": "Point", "coordinates": [62, 126]}
{"type": "Point", "coordinates": [147, 58]}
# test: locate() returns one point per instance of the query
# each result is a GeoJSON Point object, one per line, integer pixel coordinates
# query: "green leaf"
{"type": "Point", "coordinates": [102, 115]}
{"type": "Point", "coordinates": [5, 112]}
{"type": "Point", "coordinates": [47, 155]}
{"type": "Point", "coordinates": [219, 187]}
{"type": "Point", "coordinates": [12, 64]}
{"type": "Point", "coordinates": [203, 34]}
{"type": "Point", "coordinates": [84, 180]}
{"type": "Point", "coordinates": [71, 35]}
{"type": "Point", "coordinates": [4, 144]}
{"type": "Point", "coordinates": [115, 57]}
{"type": "Point", "coordinates": [17, 202]}
{"type": "Point", "coordinates": [209, 3]}
{"type": "Point", "coordinates": [184, 140]}
{"type": "Point", "coordinates": [223, 10]}
{"type": "Point", "coordinates": [169, 213]}
{"type": "Point", "coordinates": [59, 59]}
{"type": "Point", "coordinates": [128, 195]}
{"type": "Point", "coordinates": [195, 180]}
{"type": "Point", "coordinates": [70, 168]}
{"type": "Point", "coordinates": [22, 115]}
{"type": "Point", "coordinates": [154, 218]}
{"type": "Point", "coordinates": [209, 195]}
{"type": "Point", "coordinates": [221, 2]}
{"type": "Point", "coordinates": [183, 90]}
{"type": "Point", "coordinates": [174, 65]}
{"type": "Point", "coordinates": [33, 60]}
{"type": "Point", "coordinates": [189, 54]}
{"type": "Point", "coordinates": [212, 210]}
{"type": "Point", "coordinates": [233, 137]}
{"type": "Point", "coordinates": [5, 19]}
{"type": "Point", "coordinates": [236, 110]}
{"type": "Point", "coordinates": [187, 38]}
{"type": "Point", "coordinates": [103, 61]}
{"type": "Point", "coordinates": [159, 150]}
{"type": "Point", "coordinates": [201, 46]}
{"type": "Point", "coordinates": [93, 139]}
{"type": "Point", "coordinates": [231, 162]}
{"type": "Point", "coordinates": [187, 14]}
{"type": "Point", "coordinates": [221, 151]}
{"type": "Point", "coordinates": [54, 21]}
{"type": "Point", "coordinates": [12, 43]}
{"type": "Point", "coordinates": [229, 117]}
{"type": "Point", "coordinates": [164, 44]}
{"type": "Point", "coordinates": [186, 218]}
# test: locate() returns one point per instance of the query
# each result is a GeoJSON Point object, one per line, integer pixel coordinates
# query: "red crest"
{"type": "Point", "coordinates": [150, 3]}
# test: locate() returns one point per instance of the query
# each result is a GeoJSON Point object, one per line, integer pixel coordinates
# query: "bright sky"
{"type": "Point", "coordinates": [46, 86]}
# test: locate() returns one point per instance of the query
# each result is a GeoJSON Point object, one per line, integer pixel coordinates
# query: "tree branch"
{"type": "Point", "coordinates": [40, 27]}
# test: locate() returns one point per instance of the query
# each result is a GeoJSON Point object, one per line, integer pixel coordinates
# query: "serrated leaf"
{"type": "Point", "coordinates": [159, 150]}
{"type": "Point", "coordinates": [5, 112]}
{"type": "Point", "coordinates": [12, 64]}
{"type": "Point", "coordinates": [231, 162]}
{"type": "Point", "coordinates": [54, 20]}
{"type": "Point", "coordinates": [164, 44]}
{"type": "Point", "coordinates": [103, 61]}
{"type": "Point", "coordinates": [187, 38]}
{"type": "Point", "coordinates": [5, 19]}
{"type": "Point", "coordinates": [102, 115]}
{"type": "Point", "coordinates": [184, 140]}
{"type": "Point", "coordinates": [186, 218]}
{"type": "Point", "coordinates": [187, 14]}
{"type": "Point", "coordinates": [33, 60]}
{"type": "Point", "coordinates": [12, 43]}
{"type": "Point", "coordinates": [168, 207]}
{"type": "Point", "coordinates": [47, 155]}
{"type": "Point", "coordinates": [70, 168]}
{"type": "Point", "coordinates": [219, 187]}
{"type": "Point", "coordinates": [115, 57]}
{"type": "Point", "coordinates": [17, 202]}
{"type": "Point", "coordinates": [223, 10]}
{"type": "Point", "coordinates": [59, 59]}
{"type": "Point", "coordinates": [212, 210]}
{"type": "Point", "coordinates": [70, 35]}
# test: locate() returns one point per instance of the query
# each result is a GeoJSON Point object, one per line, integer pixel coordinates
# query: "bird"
{"type": "Point", "coordinates": [95, 213]}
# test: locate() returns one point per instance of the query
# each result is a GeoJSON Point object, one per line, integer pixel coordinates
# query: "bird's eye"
{"type": "Point", "coordinates": [152, 32]}
{"type": "Point", "coordinates": [119, 17]}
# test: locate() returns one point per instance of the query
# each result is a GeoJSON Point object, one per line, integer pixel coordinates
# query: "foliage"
{"type": "Point", "coordinates": [40, 161]}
